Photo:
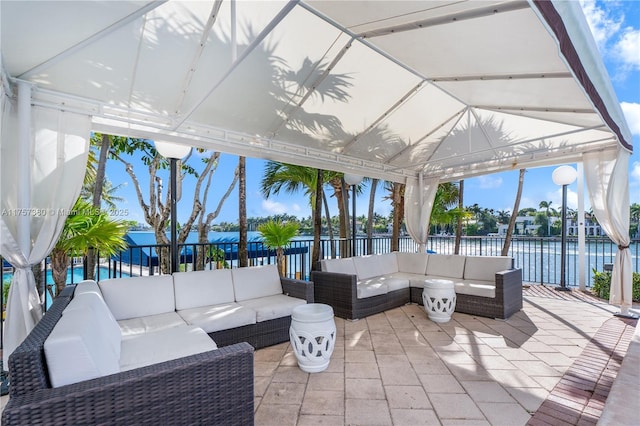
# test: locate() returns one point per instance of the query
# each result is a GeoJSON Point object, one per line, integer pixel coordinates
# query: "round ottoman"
{"type": "Point", "coordinates": [313, 336]}
{"type": "Point", "coordinates": [439, 299]}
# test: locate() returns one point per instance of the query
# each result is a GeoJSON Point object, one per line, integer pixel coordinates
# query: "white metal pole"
{"type": "Point", "coordinates": [581, 230]}
{"type": "Point", "coordinates": [24, 170]}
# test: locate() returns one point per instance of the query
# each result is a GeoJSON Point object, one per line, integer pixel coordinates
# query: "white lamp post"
{"type": "Point", "coordinates": [563, 176]}
{"type": "Point", "coordinates": [353, 181]}
{"type": "Point", "coordinates": [173, 152]}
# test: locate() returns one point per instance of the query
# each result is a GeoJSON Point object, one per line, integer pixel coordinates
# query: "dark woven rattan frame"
{"type": "Point", "coordinates": [507, 302]}
{"type": "Point", "coordinates": [214, 387]}
{"type": "Point", "coordinates": [339, 291]}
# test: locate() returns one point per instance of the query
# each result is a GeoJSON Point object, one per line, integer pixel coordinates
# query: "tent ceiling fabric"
{"type": "Point", "coordinates": [385, 89]}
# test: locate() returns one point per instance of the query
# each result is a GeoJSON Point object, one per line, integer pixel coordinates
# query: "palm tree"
{"type": "Point", "coordinates": [277, 235]}
{"type": "Point", "coordinates": [86, 227]}
{"type": "Point", "coordinates": [291, 179]}
{"type": "Point", "coordinates": [372, 198]}
{"type": "Point", "coordinates": [243, 253]}
{"type": "Point", "coordinates": [547, 206]}
{"type": "Point", "coordinates": [514, 214]}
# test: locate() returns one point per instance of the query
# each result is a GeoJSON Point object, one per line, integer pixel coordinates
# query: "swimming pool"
{"type": "Point", "coordinates": [72, 278]}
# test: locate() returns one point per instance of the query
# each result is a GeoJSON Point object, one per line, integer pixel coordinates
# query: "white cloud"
{"type": "Point", "coordinates": [635, 171]}
{"type": "Point", "coordinates": [603, 25]}
{"type": "Point", "coordinates": [273, 207]}
{"type": "Point", "coordinates": [489, 182]}
{"type": "Point", "coordinates": [627, 48]}
{"type": "Point", "coordinates": [556, 199]}
{"type": "Point", "coordinates": [632, 114]}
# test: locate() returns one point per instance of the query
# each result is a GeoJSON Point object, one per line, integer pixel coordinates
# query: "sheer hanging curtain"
{"type": "Point", "coordinates": [418, 203]}
{"type": "Point", "coordinates": [37, 190]}
{"type": "Point", "coordinates": [608, 187]}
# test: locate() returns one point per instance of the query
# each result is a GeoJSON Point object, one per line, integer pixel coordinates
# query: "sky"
{"type": "Point", "coordinates": [616, 29]}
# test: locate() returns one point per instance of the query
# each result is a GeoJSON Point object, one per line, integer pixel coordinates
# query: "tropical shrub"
{"type": "Point", "coordinates": [602, 284]}
{"type": "Point", "coordinates": [277, 235]}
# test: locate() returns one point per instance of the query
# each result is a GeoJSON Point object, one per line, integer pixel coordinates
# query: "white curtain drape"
{"type": "Point", "coordinates": [418, 203]}
{"type": "Point", "coordinates": [39, 184]}
{"type": "Point", "coordinates": [606, 174]}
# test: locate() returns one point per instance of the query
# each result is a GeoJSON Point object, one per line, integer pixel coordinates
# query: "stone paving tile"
{"type": "Point", "coordinates": [320, 420]}
{"type": "Point", "coordinates": [284, 394]}
{"type": "Point", "coordinates": [358, 370]}
{"type": "Point", "coordinates": [455, 406]}
{"type": "Point", "coordinates": [323, 402]}
{"type": "Point", "coordinates": [487, 392]}
{"type": "Point", "coordinates": [326, 381]}
{"type": "Point", "coordinates": [364, 389]}
{"type": "Point", "coordinates": [411, 417]}
{"type": "Point", "coordinates": [441, 383]}
{"type": "Point", "coordinates": [360, 356]}
{"type": "Point", "coordinates": [411, 397]}
{"type": "Point", "coordinates": [277, 415]}
{"type": "Point", "coordinates": [504, 413]}
{"type": "Point", "coordinates": [367, 413]}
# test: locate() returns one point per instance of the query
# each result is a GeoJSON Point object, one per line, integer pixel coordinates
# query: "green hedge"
{"type": "Point", "coordinates": [602, 284]}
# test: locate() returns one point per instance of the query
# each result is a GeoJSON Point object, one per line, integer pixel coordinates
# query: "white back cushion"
{"type": "Point", "coordinates": [75, 351]}
{"type": "Point", "coordinates": [203, 288]}
{"type": "Point", "coordinates": [375, 265]}
{"type": "Point", "coordinates": [339, 266]}
{"type": "Point", "coordinates": [87, 286]}
{"type": "Point", "coordinates": [484, 268]}
{"type": "Point", "coordinates": [139, 296]}
{"type": "Point", "coordinates": [106, 324]}
{"type": "Point", "coordinates": [412, 263]}
{"type": "Point", "coordinates": [256, 281]}
{"type": "Point", "coordinates": [451, 266]}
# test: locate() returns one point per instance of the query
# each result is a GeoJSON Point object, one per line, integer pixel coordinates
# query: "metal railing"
{"type": "Point", "coordinates": [538, 257]}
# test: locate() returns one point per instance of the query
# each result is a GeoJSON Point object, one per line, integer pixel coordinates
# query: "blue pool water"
{"type": "Point", "coordinates": [72, 278]}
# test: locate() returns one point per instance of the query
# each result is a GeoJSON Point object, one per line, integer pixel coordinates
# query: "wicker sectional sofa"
{"type": "Point", "coordinates": [357, 287]}
{"type": "Point", "coordinates": [152, 350]}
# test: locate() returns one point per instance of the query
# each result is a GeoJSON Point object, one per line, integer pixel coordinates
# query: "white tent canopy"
{"type": "Point", "coordinates": [392, 90]}
{"type": "Point", "coordinates": [385, 89]}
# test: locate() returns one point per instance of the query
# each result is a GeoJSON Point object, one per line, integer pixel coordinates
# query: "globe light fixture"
{"type": "Point", "coordinates": [353, 181]}
{"type": "Point", "coordinates": [173, 152]}
{"type": "Point", "coordinates": [563, 176]}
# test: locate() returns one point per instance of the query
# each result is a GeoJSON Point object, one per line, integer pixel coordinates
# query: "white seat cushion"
{"type": "Point", "coordinates": [339, 266]}
{"type": "Point", "coordinates": [484, 268]}
{"type": "Point", "coordinates": [477, 288]}
{"type": "Point", "coordinates": [415, 280]}
{"type": "Point", "coordinates": [139, 296]}
{"type": "Point", "coordinates": [272, 307]}
{"type": "Point", "coordinates": [203, 288]}
{"type": "Point", "coordinates": [219, 317]}
{"type": "Point", "coordinates": [394, 282]}
{"type": "Point", "coordinates": [412, 263]}
{"type": "Point", "coordinates": [256, 281]}
{"type": "Point", "coordinates": [106, 324]}
{"type": "Point", "coordinates": [449, 266]}
{"type": "Point", "coordinates": [76, 351]}
{"type": "Point", "coordinates": [150, 323]}
{"type": "Point", "coordinates": [140, 350]}
{"type": "Point", "coordinates": [371, 287]}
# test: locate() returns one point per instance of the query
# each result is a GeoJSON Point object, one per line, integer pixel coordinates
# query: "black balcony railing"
{"type": "Point", "coordinates": [539, 258]}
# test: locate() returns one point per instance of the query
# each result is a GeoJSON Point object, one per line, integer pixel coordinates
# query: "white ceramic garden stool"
{"type": "Point", "coordinates": [439, 298]}
{"type": "Point", "coordinates": [313, 336]}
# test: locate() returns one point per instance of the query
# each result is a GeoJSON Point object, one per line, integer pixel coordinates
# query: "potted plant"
{"type": "Point", "coordinates": [277, 235]}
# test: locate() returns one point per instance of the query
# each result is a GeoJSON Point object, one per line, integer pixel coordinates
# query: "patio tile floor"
{"type": "Point", "coordinates": [551, 363]}
{"type": "Point", "coordinates": [399, 368]}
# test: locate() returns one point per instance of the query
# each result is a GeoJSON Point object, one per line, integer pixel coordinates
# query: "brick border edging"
{"type": "Point", "coordinates": [579, 397]}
